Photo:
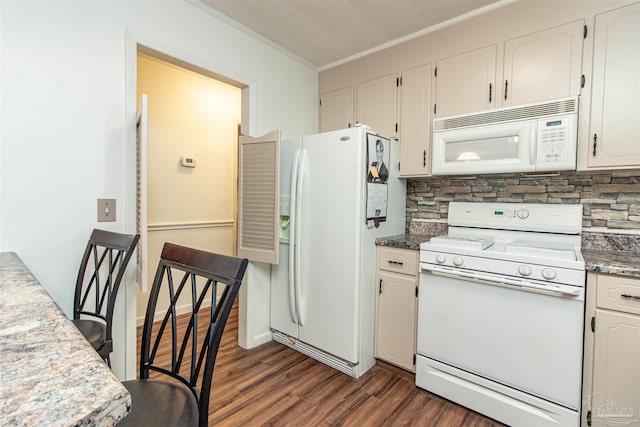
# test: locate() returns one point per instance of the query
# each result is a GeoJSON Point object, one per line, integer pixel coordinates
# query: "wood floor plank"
{"type": "Point", "coordinates": [273, 385]}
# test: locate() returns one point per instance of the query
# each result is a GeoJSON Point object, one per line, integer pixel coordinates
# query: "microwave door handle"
{"type": "Point", "coordinates": [532, 145]}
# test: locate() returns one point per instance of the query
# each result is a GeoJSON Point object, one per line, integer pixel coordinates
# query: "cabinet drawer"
{"type": "Point", "coordinates": [398, 260]}
{"type": "Point", "coordinates": [618, 293]}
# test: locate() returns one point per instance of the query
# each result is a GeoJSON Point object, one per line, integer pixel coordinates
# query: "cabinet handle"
{"type": "Point", "coordinates": [595, 144]}
{"type": "Point", "coordinates": [380, 287]}
{"type": "Point", "coordinates": [490, 93]}
{"type": "Point", "coordinates": [627, 296]}
{"type": "Point", "coordinates": [506, 87]}
{"type": "Point", "coordinates": [398, 263]}
{"type": "Point", "coordinates": [424, 158]}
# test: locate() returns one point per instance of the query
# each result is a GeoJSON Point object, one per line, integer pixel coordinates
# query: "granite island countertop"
{"type": "Point", "coordinates": [602, 253]}
{"type": "Point", "coordinates": [49, 374]}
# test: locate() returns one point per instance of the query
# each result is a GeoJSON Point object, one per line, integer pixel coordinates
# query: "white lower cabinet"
{"type": "Point", "coordinates": [612, 351]}
{"type": "Point", "coordinates": [396, 306]}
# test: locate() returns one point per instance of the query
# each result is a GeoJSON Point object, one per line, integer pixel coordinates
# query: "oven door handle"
{"type": "Point", "coordinates": [495, 280]}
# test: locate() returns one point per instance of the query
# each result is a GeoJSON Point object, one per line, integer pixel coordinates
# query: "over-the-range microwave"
{"type": "Point", "coordinates": [525, 138]}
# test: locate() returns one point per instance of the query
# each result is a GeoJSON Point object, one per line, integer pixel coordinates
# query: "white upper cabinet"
{"type": "Point", "coordinates": [376, 104]}
{"type": "Point", "coordinates": [415, 121]}
{"type": "Point", "coordinates": [614, 137]}
{"type": "Point", "coordinates": [466, 82]}
{"type": "Point", "coordinates": [536, 67]}
{"type": "Point", "coordinates": [336, 109]}
{"type": "Point", "coordinates": [543, 65]}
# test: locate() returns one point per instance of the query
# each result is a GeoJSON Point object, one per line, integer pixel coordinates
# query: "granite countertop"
{"type": "Point", "coordinates": [404, 241]}
{"type": "Point", "coordinates": [612, 253]}
{"type": "Point", "coordinates": [49, 374]}
{"type": "Point", "coordinates": [603, 253]}
{"type": "Point", "coordinates": [622, 263]}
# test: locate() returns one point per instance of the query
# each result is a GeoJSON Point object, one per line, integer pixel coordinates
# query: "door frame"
{"type": "Point", "coordinates": [134, 43]}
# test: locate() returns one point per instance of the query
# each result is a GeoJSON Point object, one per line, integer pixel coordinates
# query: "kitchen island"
{"type": "Point", "coordinates": [49, 374]}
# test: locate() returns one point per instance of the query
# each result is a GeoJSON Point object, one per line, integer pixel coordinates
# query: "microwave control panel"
{"type": "Point", "coordinates": [556, 146]}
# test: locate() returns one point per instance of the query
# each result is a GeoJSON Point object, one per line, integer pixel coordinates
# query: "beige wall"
{"type": "Point", "coordinates": [193, 115]}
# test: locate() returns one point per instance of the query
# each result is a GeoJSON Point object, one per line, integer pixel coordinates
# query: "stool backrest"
{"type": "Point", "coordinates": [102, 269]}
{"type": "Point", "coordinates": [200, 285]}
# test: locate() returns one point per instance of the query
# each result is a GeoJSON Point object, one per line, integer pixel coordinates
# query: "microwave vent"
{"type": "Point", "coordinates": [531, 111]}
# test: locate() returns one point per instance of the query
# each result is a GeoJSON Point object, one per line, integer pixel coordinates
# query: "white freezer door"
{"type": "Point", "coordinates": [331, 226]}
{"type": "Point", "coordinates": [281, 318]}
{"type": "Point", "coordinates": [282, 308]}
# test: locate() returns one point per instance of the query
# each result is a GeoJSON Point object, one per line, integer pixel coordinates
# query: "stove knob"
{"type": "Point", "coordinates": [457, 261]}
{"type": "Point", "coordinates": [522, 213]}
{"type": "Point", "coordinates": [440, 258]}
{"type": "Point", "coordinates": [524, 270]}
{"type": "Point", "coordinates": [548, 273]}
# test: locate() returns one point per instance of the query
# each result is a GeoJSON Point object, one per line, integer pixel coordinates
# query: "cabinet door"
{"type": "Point", "coordinates": [615, 98]}
{"type": "Point", "coordinates": [543, 65]}
{"type": "Point", "coordinates": [396, 319]}
{"type": "Point", "coordinates": [466, 82]}
{"type": "Point", "coordinates": [336, 109]}
{"type": "Point", "coordinates": [415, 121]}
{"type": "Point", "coordinates": [615, 398]}
{"type": "Point", "coordinates": [376, 104]}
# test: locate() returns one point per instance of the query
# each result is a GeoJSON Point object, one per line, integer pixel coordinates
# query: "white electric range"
{"type": "Point", "coordinates": [501, 312]}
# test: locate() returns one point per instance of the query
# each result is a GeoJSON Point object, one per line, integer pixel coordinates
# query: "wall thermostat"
{"type": "Point", "coordinates": [188, 162]}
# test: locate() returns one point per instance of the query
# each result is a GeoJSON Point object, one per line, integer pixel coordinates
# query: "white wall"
{"type": "Point", "coordinates": [67, 118]}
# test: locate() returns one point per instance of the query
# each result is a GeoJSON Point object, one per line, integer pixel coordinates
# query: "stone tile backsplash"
{"type": "Point", "coordinates": [611, 199]}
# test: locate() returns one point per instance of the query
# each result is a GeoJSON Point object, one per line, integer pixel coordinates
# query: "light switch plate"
{"type": "Point", "coordinates": [106, 210]}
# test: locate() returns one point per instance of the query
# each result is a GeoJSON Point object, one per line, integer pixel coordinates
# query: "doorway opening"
{"type": "Point", "coordinates": [191, 167]}
{"type": "Point", "coordinates": [181, 208]}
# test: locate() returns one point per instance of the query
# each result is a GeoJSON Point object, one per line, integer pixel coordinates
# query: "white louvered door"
{"type": "Point", "coordinates": [141, 191]}
{"type": "Point", "coordinates": [258, 197]}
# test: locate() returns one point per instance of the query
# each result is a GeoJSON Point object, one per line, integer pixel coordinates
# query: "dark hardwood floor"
{"type": "Point", "coordinates": [273, 385]}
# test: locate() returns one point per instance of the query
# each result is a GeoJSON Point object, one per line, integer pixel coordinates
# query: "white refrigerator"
{"type": "Point", "coordinates": [336, 199]}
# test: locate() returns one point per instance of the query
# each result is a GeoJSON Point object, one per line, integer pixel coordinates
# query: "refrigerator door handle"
{"type": "Point", "coordinates": [293, 310]}
{"type": "Point", "coordinates": [298, 285]}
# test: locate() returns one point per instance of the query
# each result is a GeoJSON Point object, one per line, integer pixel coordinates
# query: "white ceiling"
{"type": "Point", "coordinates": [326, 32]}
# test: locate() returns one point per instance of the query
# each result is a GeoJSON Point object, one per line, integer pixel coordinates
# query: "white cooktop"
{"type": "Point", "coordinates": [510, 232]}
{"type": "Point", "coordinates": [478, 243]}
{"type": "Point", "coordinates": [541, 249]}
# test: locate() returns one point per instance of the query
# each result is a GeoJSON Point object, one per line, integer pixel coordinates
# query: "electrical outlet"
{"type": "Point", "coordinates": [106, 210]}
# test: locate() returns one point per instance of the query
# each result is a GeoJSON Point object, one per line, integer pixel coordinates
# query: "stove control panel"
{"type": "Point", "coordinates": [519, 270]}
{"type": "Point", "coordinates": [565, 219]}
